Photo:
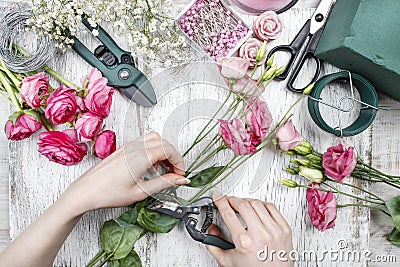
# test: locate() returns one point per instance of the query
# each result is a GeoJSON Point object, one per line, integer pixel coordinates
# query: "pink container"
{"type": "Point", "coordinates": [257, 7]}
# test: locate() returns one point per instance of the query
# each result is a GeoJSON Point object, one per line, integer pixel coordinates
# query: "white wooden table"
{"type": "Point", "coordinates": [29, 183]}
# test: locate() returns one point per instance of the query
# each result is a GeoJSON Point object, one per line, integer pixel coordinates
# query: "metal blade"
{"type": "Point", "coordinates": [144, 95]}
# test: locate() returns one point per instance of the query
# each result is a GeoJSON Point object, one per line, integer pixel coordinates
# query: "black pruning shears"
{"type": "Point", "coordinates": [174, 209]}
{"type": "Point", "coordinates": [118, 66]}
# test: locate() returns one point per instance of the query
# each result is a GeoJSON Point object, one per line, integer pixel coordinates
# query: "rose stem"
{"type": "Point", "coordinates": [58, 76]}
{"type": "Point", "coordinates": [10, 91]}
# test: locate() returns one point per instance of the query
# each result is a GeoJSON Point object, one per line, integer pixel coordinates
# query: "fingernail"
{"type": "Point", "coordinates": [182, 181]}
{"type": "Point", "coordinates": [216, 194]}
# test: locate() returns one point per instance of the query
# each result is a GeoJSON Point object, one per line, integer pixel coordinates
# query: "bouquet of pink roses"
{"type": "Point", "coordinates": [328, 172]}
{"type": "Point", "coordinates": [82, 109]}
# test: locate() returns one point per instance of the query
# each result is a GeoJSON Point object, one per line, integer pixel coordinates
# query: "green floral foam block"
{"type": "Point", "coordinates": [364, 36]}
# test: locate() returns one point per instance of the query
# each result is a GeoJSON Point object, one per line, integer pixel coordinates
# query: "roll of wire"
{"type": "Point", "coordinates": [15, 51]}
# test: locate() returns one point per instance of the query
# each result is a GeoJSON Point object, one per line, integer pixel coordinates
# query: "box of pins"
{"type": "Point", "coordinates": [214, 26]}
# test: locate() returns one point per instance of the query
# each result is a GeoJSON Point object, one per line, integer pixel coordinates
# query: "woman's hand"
{"type": "Point", "coordinates": [118, 180]}
{"type": "Point", "coordinates": [265, 228]}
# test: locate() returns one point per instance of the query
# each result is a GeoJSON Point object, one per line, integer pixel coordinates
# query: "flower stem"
{"type": "Point", "coordinates": [49, 126]}
{"type": "Point", "coordinates": [58, 76]}
{"type": "Point", "coordinates": [10, 75]}
{"type": "Point", "coordinates": [363, 205]}
{"type": "Point", "coordinates": [106, 259]}
{"type": "Point", "coordinates": [10, 91]}
{"type": "Point", "coordinates": [96, 258]}
{"type": "Point", "coordinates": [209, 156]}
{"type": "Point", "coordinates": [350, 195]}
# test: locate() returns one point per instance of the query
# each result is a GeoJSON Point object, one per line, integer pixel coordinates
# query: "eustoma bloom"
{"type": "Point", "coordinates": [288, 137]}
{"type": "Point", "coordinates": [234, 67]}
{"type": "Point", "coordinates": [34, 88]}
{"type": "Point", "coordinates": [236, 136]}
{"type": "Point", "coordinates": [61, 105]}
{"type": "Point", "coordinates": [99, 96]}
{"type": "Point", "coordinates": [105, 144]}
{"type": "Point", "coordinates": [62, 147]}
{"type": "Point", "coordinates": [23, 127]}
{"type": "Point", "coordinates": [339, 161]}
{"type": "Point", "coordinates": [258, 118]}
{"type": "Point", "coordinates": [267, 26]}
{"type": "Point", "coordinates": [322, 207]}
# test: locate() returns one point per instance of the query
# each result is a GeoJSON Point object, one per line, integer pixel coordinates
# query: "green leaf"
{"type": "Point", "coordinates": [205, 176]}
{"type": "Point", "coordinates": [155, 221]}
{"type": "Point", "coordinates": [130, 216]}
{"type": "Point", "coordinates": [394, 237]}
{"type": "Point", "coordinates": [132, 260]}
{"type": "Point", "coordinates": [114, 263]}
{"type": "Point", "coordinates": [393, 206]}
{"type": "Point", "coordinates": [14, 116]}
{"type": "Point", "coordinates": [119, 237]}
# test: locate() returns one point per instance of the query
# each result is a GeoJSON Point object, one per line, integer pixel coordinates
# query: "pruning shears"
{"type": "Point", "coordinates": [174, 209]}
{"type": "Point", "coordinates": [118, 66]}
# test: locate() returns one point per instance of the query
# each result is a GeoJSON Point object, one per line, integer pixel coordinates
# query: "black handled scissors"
{"type": "Point", "coordinates": [174, 209]}
{"type": "Point", "coordinates": [310, 35]}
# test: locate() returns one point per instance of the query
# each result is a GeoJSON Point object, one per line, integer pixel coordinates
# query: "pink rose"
{"type": "Point", "coordinates": [62, 147]}
{"type": "Point", "coordinates": [105, 144]}
{"type": "Point", "coordinates": [258, 118]}
{"type": "Point", "coordinates": [99, 97]}
{"type": "Point", "coordinates": [246, 87]}
{"type": "Point", "coordinates": [23, 128]}
{"type": "Point", "coordinates": [339, 161]}
{"type": "Point", "coordinates": [322, 207]}
{"type": "Point", "coordinates": [249, 51]}
{"type": "Point", "coordinates": [267, 26]}
{"type": "Point", "coordinates": [34, 88]}
{"type": "Point", "coordinates": [88, 126]}
{"type": "Point", "coordinates": [288, 137]}
{"type": "Point", "coordinates": [233, 67]}
{"type": "Point", "coordinates": [237, 137]}
{"type": "Point", "coordinates": [61, 105]}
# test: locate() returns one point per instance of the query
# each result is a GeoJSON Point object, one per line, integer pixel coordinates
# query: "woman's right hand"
{"type": "Point", "coordinates": [266, 228]}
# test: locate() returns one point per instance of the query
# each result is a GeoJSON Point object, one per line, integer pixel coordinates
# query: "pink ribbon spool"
{"type": "Point", "coordinates": [257, 7]}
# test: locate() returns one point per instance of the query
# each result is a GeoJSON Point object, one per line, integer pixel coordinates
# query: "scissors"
{"type": "Point", "coordinates": [310, 35]}
{"type": "Point", "coordinates": [174, 209]}
{"type": "Point", "coordinates": [118, 66]}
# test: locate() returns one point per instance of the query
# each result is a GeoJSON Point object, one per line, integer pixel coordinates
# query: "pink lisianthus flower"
{"type": "Point", "coordinates": [61, 105]}
{"type": "Point", "coordinates": [234, 68]}
{"type": "Point", "coordinates": [258, 118]}
{"type": "Point", "coordinates": [106, 144]}
{"type": "Point", "coordinates": [23, 128]}
{"type": "Point", "coordinates": [62, 147]}
{"type": "Point", "coordinates": [34, 88]}
{"type": "Point", "coordinates": [88, 126]}
{"type": "Point", "coordinates": [288, 137]}
{"type": "Point", "coordinates": [339, 161]}
{"type": "Point", "coordinates": [246, 87]}
{"type": "Point", "coordinates": [322, 207]}
{"type": "Point", "coordinates": [237, 137]}
{"type": "Point", "coordinates": [99, 95]}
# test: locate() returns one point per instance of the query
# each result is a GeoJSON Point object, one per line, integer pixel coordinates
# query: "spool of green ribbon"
{"type": "Point", "coordinates": [368, 96]}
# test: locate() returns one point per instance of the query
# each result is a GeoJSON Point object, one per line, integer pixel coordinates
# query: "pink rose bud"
{"type": "Point", "coordinates": [237, 137]}
{"type": "Point", "coordinates": [99, 97]}
{"type": "Point", "coordinates": [62, 147]}
{"type": "Point", "coordinates": [61, 105]}
{"type": "Point", "coordinates": [234, 67]}
{"type": "Point", "coordinates": [34, 88]}
{"type": "Point", "coordinates": [105, 144]}
{"type": "Point", "coordinates": [88, 126]}
{"type": "Point", "coordinates": [288, 137]}
{"type": "Point", "coordinates": [322, 207]}
{"type": "Point", "coordinates": [24, 126]}
{"type": "Point", "coordinates": [258, 118]}
{"type": "Point", "coordinates": [339, 161]}
{"type": "Point", "coordinates": [267, 26]}
{"type": "Point", "coordinates": [249, 51]}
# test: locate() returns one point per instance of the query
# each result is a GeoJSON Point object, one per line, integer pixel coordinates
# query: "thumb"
{"type": "Point", "coordinates": [219, 254]}
{"type": "Point", "coordinates": [162, 182]}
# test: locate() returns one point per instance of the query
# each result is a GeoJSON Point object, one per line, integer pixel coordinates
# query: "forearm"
{"type": "Point", "coordinates": [39, 244]}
